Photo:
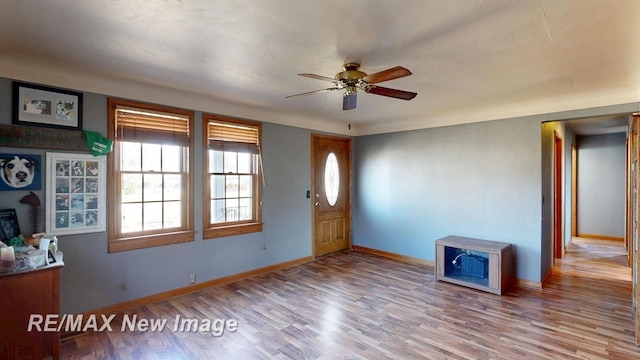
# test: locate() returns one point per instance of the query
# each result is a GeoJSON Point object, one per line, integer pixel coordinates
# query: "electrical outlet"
{"type": "Point", "coordinates": [192, 279]}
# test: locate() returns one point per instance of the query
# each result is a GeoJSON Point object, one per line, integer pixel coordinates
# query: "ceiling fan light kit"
{"type": "Point", "coordinates": [349, 101]}
{"type": "Point", "coordinates": [351, 79]}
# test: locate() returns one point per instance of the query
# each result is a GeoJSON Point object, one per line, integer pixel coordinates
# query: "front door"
{"type": "Point", "coordinates": [331, 176]}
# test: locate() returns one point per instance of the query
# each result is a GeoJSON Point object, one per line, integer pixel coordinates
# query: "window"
{"type": "Point", "coordinates": [331, 179]}
{"type": "Point", "coordinates": [150, 183]}
{"type": "Point", "coordinates": [232, 182]}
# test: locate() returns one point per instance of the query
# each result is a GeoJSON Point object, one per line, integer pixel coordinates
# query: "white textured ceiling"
{"type": "Point", "coordinates": [471, 60]}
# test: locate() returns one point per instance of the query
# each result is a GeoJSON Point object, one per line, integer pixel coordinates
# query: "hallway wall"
{"type": "Point", "coordinates": [601, 185]}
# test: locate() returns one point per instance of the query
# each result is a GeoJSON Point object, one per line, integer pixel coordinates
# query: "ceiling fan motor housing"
{"type": "Point", "coordinates": [351, 75]}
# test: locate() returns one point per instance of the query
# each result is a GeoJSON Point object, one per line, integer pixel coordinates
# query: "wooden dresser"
{"type": "Point", "coordinates": [26, 292]}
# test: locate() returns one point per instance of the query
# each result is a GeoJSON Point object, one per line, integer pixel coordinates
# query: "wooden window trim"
{"type": "Point", "coordinates": [212, 231]}
{"type": "Point", "coordinates": [147, 241]}
{"type": "Point", "coordinates": [124, 242]}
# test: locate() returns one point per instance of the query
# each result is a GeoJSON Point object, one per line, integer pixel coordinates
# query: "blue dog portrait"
{"type": "Point", "coordinates": [20, 172]}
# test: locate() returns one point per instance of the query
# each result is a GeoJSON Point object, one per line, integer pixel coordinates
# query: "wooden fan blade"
{"type": "Point", "coordinates": [398, 94]}
{"type": "Point", "coordinates": [320, 77]}
{"type": "Point", "coordinates": [312, 92]}
{"type": "Point", "coordinates": [386, 75]}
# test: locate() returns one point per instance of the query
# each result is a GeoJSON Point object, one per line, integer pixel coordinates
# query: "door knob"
{"type": "Point", "coordinates": [318, 203]}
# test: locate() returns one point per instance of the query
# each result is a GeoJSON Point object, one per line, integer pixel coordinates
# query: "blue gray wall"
{"type": "Point", "coordinates": [491, 180]}
{"type": "Point", "coordinates": [484, 180]}
{"type": "Point", "coordinates": [479, 180]}
{"type": "Point", "coordinates": [601, 185]}
{"type": "Point", "coordinates": [569, 141]}
{"type": "Point", "coordinates": [549, 129]}
{"type": "Point", "coordinates": [93, 278]}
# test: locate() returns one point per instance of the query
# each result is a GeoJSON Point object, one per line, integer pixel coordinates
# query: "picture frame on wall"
{"type": "Point", "coordinates": [37, 105]}
{"type": "Point", "coordinates": [76, 203]}
{"type": "Point", "coordinates": [9, 227]}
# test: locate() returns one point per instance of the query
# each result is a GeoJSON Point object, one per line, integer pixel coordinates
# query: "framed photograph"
{"type": "Point", "coordinates": [8, 225]}
{"type": "Point", "coordinates": [76, 194]}
{"type": "Point", "coordinates": [20, 172]}
{"type": "Point", "coordinates": [46, 106]}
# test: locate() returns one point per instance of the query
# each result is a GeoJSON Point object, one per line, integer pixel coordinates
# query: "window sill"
{"type": "Point", "coordinates": [230, 230]}
{"type": "Point", "coordinates": [147, 241]}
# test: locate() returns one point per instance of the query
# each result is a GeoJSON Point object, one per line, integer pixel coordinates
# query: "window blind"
{"type": "Point", "coordinates": [233, 137]}
{"type": "Point", "coordinates": [151, 127]}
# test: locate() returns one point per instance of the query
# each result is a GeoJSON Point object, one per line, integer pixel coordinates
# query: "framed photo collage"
{"type": "Point", "coordinates": [76, 202]}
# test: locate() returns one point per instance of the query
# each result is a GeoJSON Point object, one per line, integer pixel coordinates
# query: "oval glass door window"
{"type": "Point", "coordinates": [331, 179]}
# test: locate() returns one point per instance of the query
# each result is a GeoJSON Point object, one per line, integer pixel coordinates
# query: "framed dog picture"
{"type": "Point", "coordinates": [46, 106]}
{"type": "Point", "coordinates": [20, 172]}
{"type": "Point", "coordinates": [76, 194]}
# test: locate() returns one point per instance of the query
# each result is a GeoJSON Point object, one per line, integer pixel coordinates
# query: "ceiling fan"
{"type": "Point", "coordinates": [352, 79]}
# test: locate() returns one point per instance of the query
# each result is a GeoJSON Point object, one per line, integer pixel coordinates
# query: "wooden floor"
{"type": "Point", "coordinates": [359, 306]}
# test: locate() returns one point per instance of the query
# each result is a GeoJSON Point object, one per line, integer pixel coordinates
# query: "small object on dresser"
{"type": "Point", "coordinates": [7, 258]}
{"type": "Point", "coordinates": [7, 254]}
{"type": "Point", "coordinates": [22, 260]}
{"type": "Point", "coordinates": [16, 241]}
{"type": "Point", "coordinates": [37, 258]}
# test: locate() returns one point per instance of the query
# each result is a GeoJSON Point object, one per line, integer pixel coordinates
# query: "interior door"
{"type": "Point", "coordinates": [574, 191]}
{"type": "Point", "coordinates": [331, 176]}
{"type": "Point", "coordinates": [558, 195]}
{"type": "Point", "coordinates": [632, 215]}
